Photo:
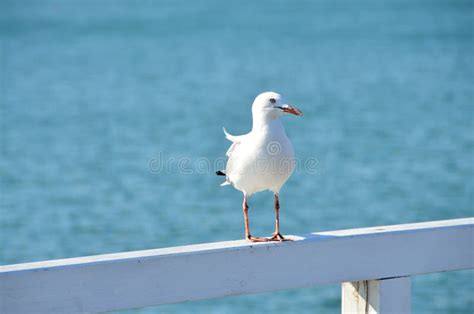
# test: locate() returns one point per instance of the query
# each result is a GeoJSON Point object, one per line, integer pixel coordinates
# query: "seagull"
{"type": "Point", "coordinates": [262, 159]}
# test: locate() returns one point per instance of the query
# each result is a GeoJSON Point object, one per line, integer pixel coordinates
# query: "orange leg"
{"type": "Point", "coordinates": [276, 236]}
{"type": "Point", "coordinates": [248, 236]}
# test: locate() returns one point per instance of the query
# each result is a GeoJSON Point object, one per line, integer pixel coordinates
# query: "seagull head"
{"type": "Point", "coordinates": [272, 105]}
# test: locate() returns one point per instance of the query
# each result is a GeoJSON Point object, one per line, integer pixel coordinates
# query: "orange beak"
{"type": "Point", "coordinates": [291, 109]}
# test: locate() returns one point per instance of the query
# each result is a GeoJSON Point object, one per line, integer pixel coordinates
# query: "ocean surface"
{"type": "Point", "coordinates": [101, 101]}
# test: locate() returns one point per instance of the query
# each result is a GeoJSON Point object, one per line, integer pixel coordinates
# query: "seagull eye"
{"type": "Point", "coordinates": [272, 100]}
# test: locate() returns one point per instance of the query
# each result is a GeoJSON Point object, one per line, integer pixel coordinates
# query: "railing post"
{"type": "Point", "coordinates": [377, 296]}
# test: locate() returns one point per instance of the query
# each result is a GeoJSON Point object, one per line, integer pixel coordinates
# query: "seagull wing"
{"type": "Point", "coordinates": [235, 139]}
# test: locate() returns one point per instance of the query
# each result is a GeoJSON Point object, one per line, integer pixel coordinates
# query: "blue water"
{"type": "Point", "coordinates": [94, 95]}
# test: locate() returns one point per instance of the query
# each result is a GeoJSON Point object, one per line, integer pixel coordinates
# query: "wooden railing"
{"type": "Point", "coordinates": [374, 266]}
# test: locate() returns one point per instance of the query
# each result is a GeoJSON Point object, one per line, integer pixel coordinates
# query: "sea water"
{"type": "Point", "coordinates": [111, 118]}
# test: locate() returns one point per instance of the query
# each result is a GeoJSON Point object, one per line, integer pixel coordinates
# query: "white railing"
{"type": "Point", "coordinates": [374, 266]}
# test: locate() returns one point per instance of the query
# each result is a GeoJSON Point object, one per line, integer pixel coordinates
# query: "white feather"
{"type": "Point", "coordinates": [264, 158]}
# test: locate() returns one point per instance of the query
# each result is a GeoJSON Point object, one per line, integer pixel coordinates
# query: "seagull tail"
{"type": "Point", "coordinates": [222, 173]}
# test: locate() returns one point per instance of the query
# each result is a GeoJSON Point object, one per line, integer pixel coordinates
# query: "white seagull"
{"type": "Point", "coordinates": [262, 159]}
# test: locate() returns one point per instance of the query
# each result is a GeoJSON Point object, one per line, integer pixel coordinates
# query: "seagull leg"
{"type": "Point", "coordinates": [248, 236]}
{"type": "Point", "coordinates": [276, 236]}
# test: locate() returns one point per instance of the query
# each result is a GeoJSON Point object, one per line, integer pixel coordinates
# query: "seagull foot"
{"type": "Point", "coordinates": [278, 237]}
{"type": "Point", "coordinates": [256, 239]}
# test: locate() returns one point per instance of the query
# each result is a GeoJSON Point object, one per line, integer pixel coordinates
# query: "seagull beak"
{"type": "Point", "coordinates": [291, 109]}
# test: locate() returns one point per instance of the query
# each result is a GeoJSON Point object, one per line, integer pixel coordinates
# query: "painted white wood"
{"type": "Point", "coordinates": [152, 277]}
{"type": "Point", "coordinates": [395, 295]}
{"type": "Point", "coordinates": [385, 296]}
